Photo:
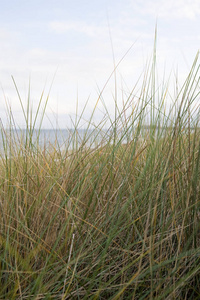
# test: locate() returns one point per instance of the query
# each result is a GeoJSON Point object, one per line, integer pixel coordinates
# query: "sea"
{"type": "Point", "coordinates": [60, 139]}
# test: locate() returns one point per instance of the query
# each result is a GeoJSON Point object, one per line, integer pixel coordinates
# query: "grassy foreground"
{"type": "Point", "coordinates": [120, 220]}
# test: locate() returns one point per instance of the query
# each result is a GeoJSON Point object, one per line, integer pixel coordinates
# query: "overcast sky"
{"type": "Point", "coordinates": [70, 40]}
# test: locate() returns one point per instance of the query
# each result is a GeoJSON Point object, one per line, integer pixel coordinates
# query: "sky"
{"type": "Point", "coordinates": [66, 47]}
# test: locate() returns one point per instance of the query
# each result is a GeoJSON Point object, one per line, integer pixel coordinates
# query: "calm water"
{"type": "Point", "coordinates": [47, 138]}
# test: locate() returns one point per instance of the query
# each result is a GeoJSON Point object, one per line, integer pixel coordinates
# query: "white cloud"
{"type": "Point", "coordinates": [81, 50]}
{"type": "Point", "coordinates": [62, 27]}
{"type": "Point", "coordinates": [179, 9]}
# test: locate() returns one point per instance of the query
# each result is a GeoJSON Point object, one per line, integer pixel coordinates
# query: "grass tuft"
{"type": "Point", "coordinates": [111, 214]}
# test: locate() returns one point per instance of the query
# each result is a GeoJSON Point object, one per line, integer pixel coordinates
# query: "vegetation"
{"type": "Point", "coordinates": [119, 219]}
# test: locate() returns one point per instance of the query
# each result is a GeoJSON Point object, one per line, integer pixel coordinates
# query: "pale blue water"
{"type": "Point", "coordinates": [47, 138]}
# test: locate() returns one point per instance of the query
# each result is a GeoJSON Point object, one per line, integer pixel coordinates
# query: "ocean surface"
{"type": "Point", "coordinates": [61, 139]}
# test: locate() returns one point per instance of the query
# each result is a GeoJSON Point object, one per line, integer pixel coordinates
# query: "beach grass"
{"type": "Point", "coordinates": [118, 219]}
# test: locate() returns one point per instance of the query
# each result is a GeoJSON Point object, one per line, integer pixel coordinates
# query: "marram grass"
{"type": "Point", "coordinates": [119, 220]}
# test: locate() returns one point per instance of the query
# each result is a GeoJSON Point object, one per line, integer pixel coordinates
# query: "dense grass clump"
{"type": "Point", "coordinates": [116, 220]}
